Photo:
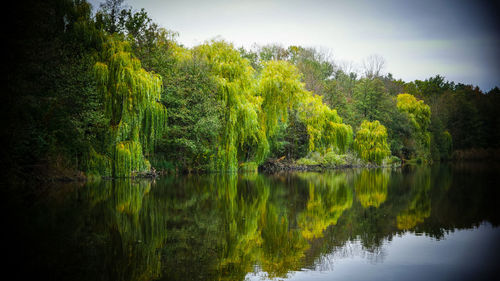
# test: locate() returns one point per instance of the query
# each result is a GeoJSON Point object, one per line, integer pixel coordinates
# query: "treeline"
{"type": "Point", "coordinates": [113, 94]}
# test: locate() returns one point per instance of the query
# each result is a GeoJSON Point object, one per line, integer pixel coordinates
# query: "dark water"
{"type": "Point", "coordinates": [425, 223]}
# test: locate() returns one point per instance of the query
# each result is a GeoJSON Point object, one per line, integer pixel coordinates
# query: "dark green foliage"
{"type": "Point", "coordinates": [296, 140]}
{"type": "Point", "coordinates": [51, 107]}
{"type": "Point", "coordinates": [370, 99]}
{"type": "Point", "coordinates": [194, 119]}
{"type": "Point", "coordinates": [228, 106]}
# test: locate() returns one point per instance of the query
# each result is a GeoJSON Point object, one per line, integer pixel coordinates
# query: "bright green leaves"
{"type": "Point", "coordinates": [280, 89]}
{"type": "Point", "coordinates": [324, 126]}
{"type": "Point", "coordinates": [128, 157]}
{"type": "Point", "coordinates": [256, 108]}
{"type": "Point", "coordinates": [418, 112]}
{"type": "Point", "coordinates": [371, 142]}
{"type": "Point", "coordinates": [235, 88]}
{"type": "Point", "coordinates": [131, 98]}
{"type": "Point", "coordinates": [419, 115]}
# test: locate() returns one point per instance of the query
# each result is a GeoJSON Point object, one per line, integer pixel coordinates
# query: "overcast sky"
{"type": "Point", "coordinates": [459, 40]}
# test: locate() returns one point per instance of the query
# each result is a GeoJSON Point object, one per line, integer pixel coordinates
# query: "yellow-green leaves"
{"type": "Point", "coordinates": [235, 82]}
{"type": "Point", "coordinates": [131, 97]}
{"type": "Point", "coordinates": [280, 89]}
{"type": "Point", "coordinates": [418, 112]}
{"type": "Point", "coordinates": [419, 115]}
{"type": "Point", "coordinates": [371, 142]}
{"type": "Point", "coordinates": [323, 124]}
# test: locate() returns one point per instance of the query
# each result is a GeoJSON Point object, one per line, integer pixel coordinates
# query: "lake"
{"type": "Point", "coordinates": [411, 223]}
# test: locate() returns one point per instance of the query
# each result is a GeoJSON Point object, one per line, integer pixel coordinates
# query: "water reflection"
{"type": "Point", "coordinates": [329, 196]}
{"type": "Point", "coordinates": [224, 227]}
{"type": "Point", "coordinates": [419, 206]}
{"type": "Point", "coordinates": [371, 187]}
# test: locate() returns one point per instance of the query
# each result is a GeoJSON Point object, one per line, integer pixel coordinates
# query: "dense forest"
{"type": "Point", "coordinates": [114, 94]}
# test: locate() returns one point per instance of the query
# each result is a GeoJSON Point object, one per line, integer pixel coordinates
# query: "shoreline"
{"type": "Point", "coordinates": [273, 166]}
{"type": "Point", "coordinates": [269, 167]}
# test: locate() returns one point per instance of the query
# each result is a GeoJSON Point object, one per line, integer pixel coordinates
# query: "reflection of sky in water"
{"type": "Point", "coordinates": [470, 254]}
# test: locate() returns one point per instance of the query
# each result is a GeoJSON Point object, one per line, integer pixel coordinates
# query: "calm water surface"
{"type": "Point", "coordinates": [420, 223]}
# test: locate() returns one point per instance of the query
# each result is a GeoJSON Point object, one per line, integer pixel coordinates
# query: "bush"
{"type": "Point", "coordinates": [306, 162]}
{"type": "Point", "coordinates": [248, 167]}
{"type": "Point", "coordinates": [392, 161]}
{"type": "Point", "coordinates": [333, 159]}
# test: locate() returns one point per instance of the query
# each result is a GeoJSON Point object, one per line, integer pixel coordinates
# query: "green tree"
{"type": "Point", "coordinates": [324, 126]}
{"type": "Point", "coordinates": [419, 115]}
{"type": "Point", "coordinates": [137, 119]}
{"type": "Point", "coordinates": [235, 89]}
{"type": "Point", "coordinates": [281, 91]}
{"type": "Point", "coordinates": [371, 100]}
{"type": "Point", "coordinates": [194, 116]}
{"type": "Point", "coordinates": [371, 142]}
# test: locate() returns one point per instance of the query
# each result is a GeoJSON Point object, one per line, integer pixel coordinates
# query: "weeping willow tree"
{"type": "Point", "coordinates": [419, 115]}
{"type": "Point", "coordinates": [136, 117]}
{"type": "Point", "coordinates": [236, 90]}
{"type": "Point", "coordinates": [324, 125]}
{"type": "Point", "coordinates": [281, 90]}
{"type": "Point", "coordinates": [371, 142]}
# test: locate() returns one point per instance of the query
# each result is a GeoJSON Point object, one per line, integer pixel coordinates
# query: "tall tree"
{"type": "Point", "coordinates": [136, 117]}
{"type": "Point", "coordinates": [373, 66]}
{"type": "Point", "coordinates": [370, 99]}
{"type": "Point", "coordinates": [419, 115]}
{"type": "Point", "coordinates": [109, 14]}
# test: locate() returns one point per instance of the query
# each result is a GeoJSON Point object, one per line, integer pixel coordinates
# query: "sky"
{"type": "Point", "coordinates": [459, 39]}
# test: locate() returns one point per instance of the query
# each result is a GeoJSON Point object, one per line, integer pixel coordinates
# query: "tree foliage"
{"type": "Point", "coordinates": [371, 142]}
{"type": "Point", "coordinates": [236, 90]}
{"type": "Point", "coordinates": [419, 115]}
{"type": "Point", "coordinates": [84, 91]}
{"type": "Point", "coordinates": [131, 100]}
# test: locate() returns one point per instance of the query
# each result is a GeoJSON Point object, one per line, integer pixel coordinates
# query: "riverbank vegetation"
{"type": "Point", "coordinates": [113, 94]}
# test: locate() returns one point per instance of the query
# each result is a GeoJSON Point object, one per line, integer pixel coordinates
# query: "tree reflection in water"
{"type": "Point", "coordinates": [225, 226]}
